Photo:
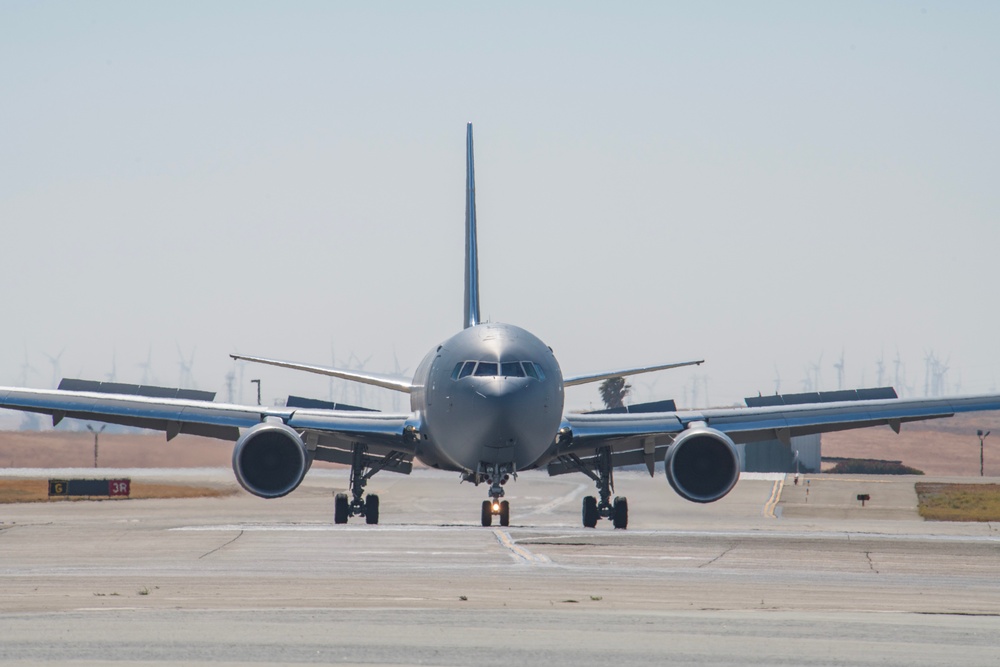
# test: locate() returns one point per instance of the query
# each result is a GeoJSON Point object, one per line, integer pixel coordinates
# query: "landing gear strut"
{"type": "Point", "coordinates": [496, 475]}
{"type": "Point", "coordinates": [362, 470]}
{"type": "Point", "coordinates": [605, 509]}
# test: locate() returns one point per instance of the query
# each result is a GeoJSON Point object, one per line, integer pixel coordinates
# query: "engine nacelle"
{"type": "Point", "coordinates": [702, 465]}
{"type": "Point", "coordinates": [270, 460]}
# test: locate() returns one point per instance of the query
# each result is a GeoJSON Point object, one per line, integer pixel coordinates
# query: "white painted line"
{"type": "Point", "coordinates": [561, 500]}
{"type": "Point", "coordinates": [520, 554]}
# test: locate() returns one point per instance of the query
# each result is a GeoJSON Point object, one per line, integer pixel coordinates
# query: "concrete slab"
{"type": "Point", "coordinates": [240, 579]}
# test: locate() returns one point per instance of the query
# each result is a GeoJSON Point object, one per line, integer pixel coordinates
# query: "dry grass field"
{"type": "Point", "coordinates": [958, 502]}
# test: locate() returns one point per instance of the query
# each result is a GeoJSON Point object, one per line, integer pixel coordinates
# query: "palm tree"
{"type": "Point", "coordinates": [613, 392]}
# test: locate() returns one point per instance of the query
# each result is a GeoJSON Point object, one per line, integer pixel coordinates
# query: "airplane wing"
{"type": "Point", "coordinates": [376, 379]}
{"type": "Point", "coordinates": [643, 438]}
{"type": "Point", "coordinates": [597, 377]}
{"type": "Point", "coordinates": [327, 433]}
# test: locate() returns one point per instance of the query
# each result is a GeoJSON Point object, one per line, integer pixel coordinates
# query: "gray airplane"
{"type": "Point", "coordinates": [486, 403]}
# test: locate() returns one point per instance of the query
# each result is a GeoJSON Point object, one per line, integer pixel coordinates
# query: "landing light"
{"type": "Point", "coordinates": [496, 507]}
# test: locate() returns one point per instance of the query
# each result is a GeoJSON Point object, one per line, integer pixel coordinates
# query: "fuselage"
{"type": "Point", "coordinates": [491, 394]}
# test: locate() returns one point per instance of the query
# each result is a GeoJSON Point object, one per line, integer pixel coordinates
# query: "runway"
{"type": "Point", "coordinates": [757, 578]}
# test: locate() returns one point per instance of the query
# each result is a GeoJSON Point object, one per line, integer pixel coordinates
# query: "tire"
{"type": "Point", "coordinates": [590, 515]}
{"type": "Point", "coordinates": [371, 509]}
{"type": "Point", "coordinates": [487, 513]}
{"type": "Point", "coordinates": [621, 513]}
{"type": "Point", "coordinates": [504, 513]}
{"type": "Point", "coordinates": [341, 508]}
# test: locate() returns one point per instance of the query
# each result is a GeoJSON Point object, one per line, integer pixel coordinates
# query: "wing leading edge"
{"type": "Point", "coordinates": [597, 377]}
{"type": "Point", "coordinates": [643, 438]}
{"type": "Point", "coordinates": [375, 379]}
{"type": "Point", "coordinates": [322, 428]}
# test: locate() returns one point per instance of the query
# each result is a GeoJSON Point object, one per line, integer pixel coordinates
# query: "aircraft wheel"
{"type": "Point", "coordinates": [341, 508]}
{"type": "Point", "coordinates": [590, 515]}
{"type": "Point", "coordinates": [487, 513]}
{"type": "Point", "coordinates": [371, 509]}
{"type": "Point", "coordinates": [504, 513]}
{"type": "Point", "coordinates": [621, 513]}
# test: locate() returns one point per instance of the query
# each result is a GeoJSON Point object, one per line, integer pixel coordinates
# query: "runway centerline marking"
{"type": "Point", "coordinates": [772, 502]}
{"type": "Point", "coordinates": [520, 554]}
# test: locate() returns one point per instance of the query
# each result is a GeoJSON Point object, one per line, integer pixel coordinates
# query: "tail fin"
{"type": "Point", "coordinates": [471, 248]}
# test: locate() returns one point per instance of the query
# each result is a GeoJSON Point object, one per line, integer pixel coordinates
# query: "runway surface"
{"type": "Point", "coordinates": [773, 574]}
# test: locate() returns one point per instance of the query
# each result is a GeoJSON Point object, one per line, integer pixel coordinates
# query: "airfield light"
{"type": "Point", "coordinates": [982, 436]}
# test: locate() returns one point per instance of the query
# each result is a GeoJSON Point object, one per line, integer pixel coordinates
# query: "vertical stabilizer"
{"type": "Point", "coordinates": [471, 249]}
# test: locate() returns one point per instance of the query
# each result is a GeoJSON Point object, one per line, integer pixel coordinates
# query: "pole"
{"type": "Point", "coordinates": [982, 437]}
{"type": "Point", "coordinates": [257, 382]}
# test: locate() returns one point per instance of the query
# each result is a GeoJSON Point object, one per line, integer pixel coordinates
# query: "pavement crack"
{"type": "Point", "coordinates": [222, 546]}
{"type": "Point", "coordinates": [731, 547]}
{"type": "Point", "coordinates": [871, 563]}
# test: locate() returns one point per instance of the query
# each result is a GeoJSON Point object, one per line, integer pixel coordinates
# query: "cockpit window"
{"type": "Point", "coordinates": [511, 369]}
{"type": "Point", "coordinates": [486, 369]}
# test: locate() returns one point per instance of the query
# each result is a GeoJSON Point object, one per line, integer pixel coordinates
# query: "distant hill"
{"type": "Point", "coordinates": [938, 446]}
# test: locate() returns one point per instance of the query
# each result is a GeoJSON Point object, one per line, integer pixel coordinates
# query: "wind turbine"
{"type": "Point", "coordinates": [941, 377]}
{"type": "Point", "coordinates": [840, 371]}
{"type": "Point", "coordinates": [147, 368]}
{"type": "Point", "coordinates": [230, 380]}
{"type": "Point", "coordinates": [816, 371]}
{"type": "Point", "coordinates": [360, 389]}
{"type": "Point", "coordinates": [113, 375]}
{"type": "Point", "coordinates": [26, 368]}
{"type": "Point", "coordinates": [56, 372]}
{"type": "Point", "coordinates": [186, 378]}
{"type": "Point", "coordinates": [929, 363]}
{"type": "Point", "coordinates": [400, 372]}
{"type": "Point", "coordinates": [898, 362]}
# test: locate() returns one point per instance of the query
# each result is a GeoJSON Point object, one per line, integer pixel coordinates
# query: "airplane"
{"type": "Point", "coordinates": [486, 403]}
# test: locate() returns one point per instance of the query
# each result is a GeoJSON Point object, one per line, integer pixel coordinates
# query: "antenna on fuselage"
{"type": "Point", "coordinates": [471, 249]}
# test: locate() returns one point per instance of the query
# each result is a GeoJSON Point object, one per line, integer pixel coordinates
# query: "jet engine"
{"type": "Point", "coordinates": [270, 460]}
{"type": "Point", "coordinates": [702, 465]}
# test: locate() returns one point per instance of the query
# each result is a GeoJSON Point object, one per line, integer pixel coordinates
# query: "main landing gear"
{"type": "Point", "coordinates": [604, 509]}
{"type": "Point", "coordinates": [358, 505]}
{"type": "Point", "coordinates": [497, 475]}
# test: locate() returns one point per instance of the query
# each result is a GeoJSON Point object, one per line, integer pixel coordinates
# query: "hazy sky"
{"type": "Point", "coordinates": [757, 184]}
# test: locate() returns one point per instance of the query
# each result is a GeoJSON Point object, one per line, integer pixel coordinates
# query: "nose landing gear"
{"type": "Point", "coordinates": [493, 508]}
{"type": "Point", "coordinates": [496, 475]}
